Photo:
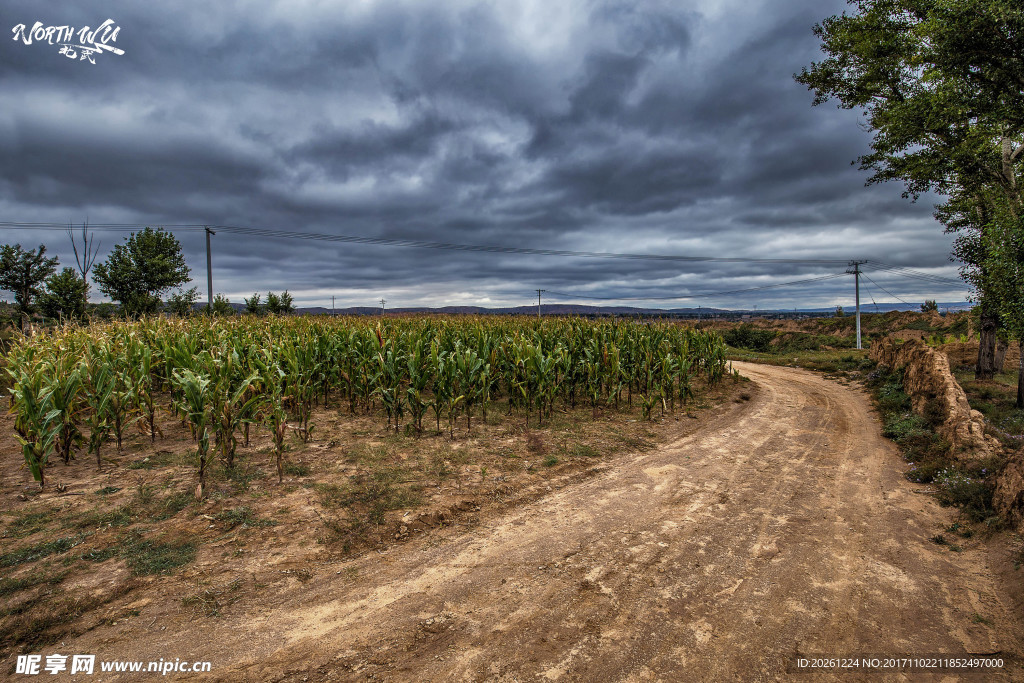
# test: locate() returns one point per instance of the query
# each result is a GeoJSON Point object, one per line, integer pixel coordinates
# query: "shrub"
{"type": "Point", "coordinates": [746, 336]}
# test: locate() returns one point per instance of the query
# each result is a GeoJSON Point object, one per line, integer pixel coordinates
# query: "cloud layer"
{"type": "Point", "coordinates": [653, 127]}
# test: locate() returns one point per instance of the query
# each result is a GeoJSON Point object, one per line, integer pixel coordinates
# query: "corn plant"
{"type": "Point", "coordinates": [418, 369]}
{"type": "Point", "coordinates": [270, 408]}
{"type": "Point", "coordinates": [231, 400]}
{"type": "Point", "coordinates": [64, 385]}
{"type": "Point", "coordinates": [37, 423]}
{"type": "Point", "coordinates": [196, 402]}
{"type": "Point", "coordinates": [98, 386]}
{"type": "Point", "coordinates": [468, 375]}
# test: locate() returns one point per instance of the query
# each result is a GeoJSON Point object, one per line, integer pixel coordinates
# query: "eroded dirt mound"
{"type": "Point", "coordinates": [1009, 494]}
{"type": "Point", "coordinates": [937, 396]}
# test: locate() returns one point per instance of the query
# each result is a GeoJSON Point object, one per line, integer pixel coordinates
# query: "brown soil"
{"type": "Point", "coordinates": [781, 526]}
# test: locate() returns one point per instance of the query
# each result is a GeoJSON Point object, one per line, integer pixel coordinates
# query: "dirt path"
{"type": "Point", "coordinates": [782, 527]}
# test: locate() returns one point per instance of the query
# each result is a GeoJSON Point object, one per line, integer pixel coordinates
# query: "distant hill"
{"type": "Point", "coordinates": [600, 311]}
{"type": "Point", "coordinates": [603, 311]}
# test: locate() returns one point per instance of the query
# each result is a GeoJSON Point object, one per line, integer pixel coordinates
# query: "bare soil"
{"type": "Point", "coordinates": [776, 526]}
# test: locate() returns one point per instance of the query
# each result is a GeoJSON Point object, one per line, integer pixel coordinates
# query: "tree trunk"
{"type": "Point", "coordinates": [987, 347]}
{"type": "Point", "coordinates": [1020, 376]}
{"type": "Point", "coordinates": [1000, 355]}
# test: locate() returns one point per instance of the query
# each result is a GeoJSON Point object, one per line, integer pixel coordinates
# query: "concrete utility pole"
{"type": "Point", "coordinates": [332, 306]}
{"type": "Point", "coordinates": [856, 280]}
{"type": "Point", "coordinates": [539, 291]}
{"type": "Point", "coordinates": [209, 270]}
{"type": "Point", "coordinates": [382, 302]}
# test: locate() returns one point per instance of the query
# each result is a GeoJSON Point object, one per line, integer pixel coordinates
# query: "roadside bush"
{"type": "Point", "coordinates": [746, 336]}
{"type": "Point", "coordinates": [972, 495]}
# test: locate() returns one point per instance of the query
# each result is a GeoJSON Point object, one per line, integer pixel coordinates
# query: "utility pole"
{"type": "Point", "coordinates": [856, 280]}
{"type": "Point", "coordinates": [332, 305]}
{"type": "Point", "coordinates": [539, 291]}
{"type": "Point", "coordinates": [382, 302]}
{"type": "Point", "coordinates": [209, 271]}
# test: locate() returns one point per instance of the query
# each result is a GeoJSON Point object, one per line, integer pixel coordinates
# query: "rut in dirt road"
{"type": "Point", "coordinates": [783, 527]}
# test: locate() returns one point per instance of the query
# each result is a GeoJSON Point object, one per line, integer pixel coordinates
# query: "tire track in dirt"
{"type": "Point", "coordinates": [782, 527]}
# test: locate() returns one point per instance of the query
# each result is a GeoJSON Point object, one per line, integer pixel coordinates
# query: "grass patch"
{"type": "Point", "coordinates": [583, 450]}
{"type": "Point", "coordinates": [150, 462]}
{"type": "Point", "coordinates": [28, 524]}
{"type": "Point", "coordinates": [9, 586]}
{"type": "Point", "coordinates": [145, 556]}
{"type": "Point", "coordinates": [39, 550]}
{"type": "Point", "coordinates": [242, 478]}
{"type": "Point", "coordinates": [100, 554]}
{"type": "Point", "coordinates": [296, 469]}
{"type": "Point", "coordinates": [243, 517]}
{"type": "Point", "coordinates": [122, 515]}
{"type": "Point", "coordinates": [107, 490]}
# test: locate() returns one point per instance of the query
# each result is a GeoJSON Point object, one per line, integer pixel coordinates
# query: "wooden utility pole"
{"type": "Point", "coordinates": [209, 271]}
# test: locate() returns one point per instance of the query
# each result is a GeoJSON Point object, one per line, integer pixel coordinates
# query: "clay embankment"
{"type": "Point", "coordinates": [932, 387]}
{"type": "Point", "coordinates": [935, 393]}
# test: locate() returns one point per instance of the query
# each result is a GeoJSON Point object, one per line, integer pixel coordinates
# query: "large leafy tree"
{"type": "Point", "coordinates": [64, 296]}
{"type": "Point", "coordinates": [941, 84]}
{"type": "Point", "coordinates": [137, 272]}
{"type": "Point", "coordinates": [22, 272]}
{"type": "Point", "coordinates": [1004, 266]}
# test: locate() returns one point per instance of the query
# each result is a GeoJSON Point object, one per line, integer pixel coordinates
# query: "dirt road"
{"type": "Point", "coordinates": [782, 527]}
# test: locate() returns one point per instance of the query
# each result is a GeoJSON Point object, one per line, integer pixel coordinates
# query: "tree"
{"type": "Point", "coordinates": [64, 296]}
{"type": "Point", "coordinates": [138, 272]}
{"type": "Point", "coordinates": [1005, 268]}
{"type": "Point", "coordinates": [222, 305]}
{"type": "Point", "coordinates": [286, 302]}
{"type": "Point", "coordinates": [253, 304]}
{"type": "Point", "coordinates": [86, 258]}
{"type": "Point", "coordinates": [273, 303]}
{"type": "Point", "coordinates": [22, 273]}
{"type": "Point", "coordinates": [183, 303]}
{"type": "Point", "coordinates": [941, 83]}
{"type": "Point", "coordinates": [930, 306]}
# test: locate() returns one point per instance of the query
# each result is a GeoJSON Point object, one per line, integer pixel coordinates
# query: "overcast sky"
{"type": "Point", "coordinates": [640, 127]}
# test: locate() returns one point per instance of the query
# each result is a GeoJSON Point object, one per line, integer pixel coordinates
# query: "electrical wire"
{"type": "Point", "coordinates": [422, 244]}
{"type": "Point", "coordinates": [907, 272]}
{"type": "Point", "coordinates": [884, 290]}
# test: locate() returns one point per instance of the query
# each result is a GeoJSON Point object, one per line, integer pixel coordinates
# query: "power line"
{"type": "Point", "coordinates": [907, 272]}
{"type": "Point", "coordinates": [884, 290]}
{"type": "Point", "coordinates": [422, 244]}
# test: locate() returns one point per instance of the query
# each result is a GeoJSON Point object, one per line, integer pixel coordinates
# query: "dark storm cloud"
{"type": "Point", "coordinates": [599, 126]}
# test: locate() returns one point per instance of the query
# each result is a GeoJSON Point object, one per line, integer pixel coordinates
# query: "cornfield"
{"type": "Point", "coordinates": [221, 377]}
